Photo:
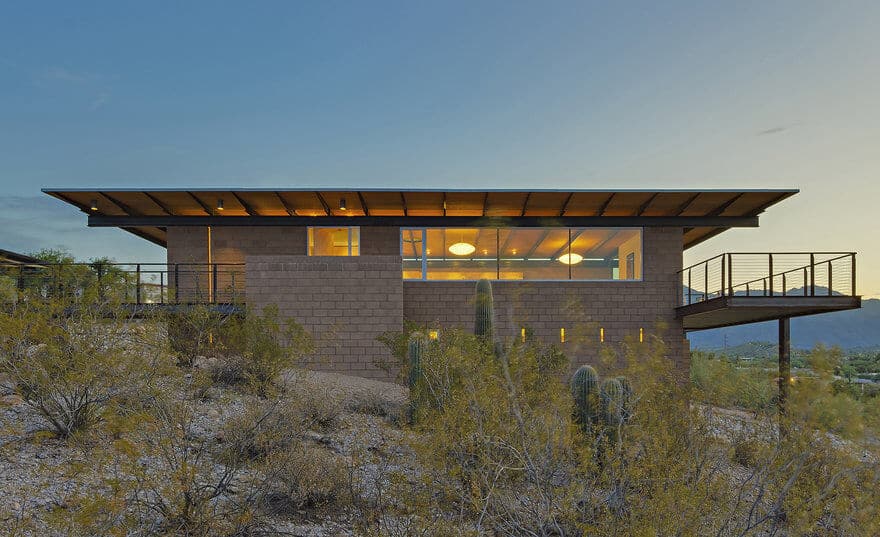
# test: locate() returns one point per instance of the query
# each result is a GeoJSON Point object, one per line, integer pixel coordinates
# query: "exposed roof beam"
{"type": "Point", "coordinates": [291, 211]}
{"type": "Point", "coordinates": [565, 205]}
{"type": "Point", "coordinates": [403, 202]}
{"type": "Point", "coordinates": [525, 203]}
{"type": "Point", "coordinates": [247, 206]}
{"type": "Point", "coordinates": [444, 204]}
{"type": "Point", "coordinates": [123, 206]}
{"type": "Point", "coordinates": [363, 203]}
{"type": "Point", "coordinates": [535, 246]}
{"type": "Point", "coordinates": [80, 206]}
{"type": "Point", "coordinates": [683, 207]}
{"type": "Point", "coordinates": [166, 209]}
{"type": "Point", "coordinates": [204, 205]}
{"type": "Point", "coordinates": [323, 203]}
{"type": "Point", "coordinates": [485, 203]}
{"type": "Point", "coordinates": [144, 235]}
{"type": "Point", "coordinates": [723, 207]}
{"type": "Point", "coordinates": [644, 207]}
{"type": "Point", "coordinates": [605, 205]}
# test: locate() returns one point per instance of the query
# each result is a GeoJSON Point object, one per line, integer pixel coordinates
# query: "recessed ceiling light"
{"type": "Point", "coordinates": [462, 248]}
{"type": "Point", "coordinates": [571, 259]}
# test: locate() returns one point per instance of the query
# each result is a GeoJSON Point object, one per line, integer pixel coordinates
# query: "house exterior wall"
{"type": "Point", "coordinates": [344, 302]}
{"type": "Point", "coordinates": [359, 298]}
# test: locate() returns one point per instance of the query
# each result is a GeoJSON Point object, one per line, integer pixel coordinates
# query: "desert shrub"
{"type": "Point", "coordinates": [499, 455]}
{"type": "Point", "coordinates": [71, 360]}
{"type": "Point", "coordinates": [192, 331]}
{"type": "Point", "coordinates": [304, 477]}
{"type": "Point", "coordinates": [257, 347]}
{"type": "Point", "coordinates": [263, 428]}
{"type": "Point", "coordinates": [721, 382]}
{"type": "Point", "coordinates": [315, 409]}
{"type": "Point", "coordinates": [372, 403]}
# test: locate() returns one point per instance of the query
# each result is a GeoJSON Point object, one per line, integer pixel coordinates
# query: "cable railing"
{"type": "Point", "coordinates": [139, 283]}
{"type": "Point", "coordinates": [752, 274]}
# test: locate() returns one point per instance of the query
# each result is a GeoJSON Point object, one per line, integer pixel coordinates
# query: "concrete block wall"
{"type": "Point", "coordinates": [344, 302]}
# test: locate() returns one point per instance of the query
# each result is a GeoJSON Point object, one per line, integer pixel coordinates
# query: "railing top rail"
{"type": "Point", "coordinates": [840, 255]}
{"type": "Point", "coordinates": [134, 264]}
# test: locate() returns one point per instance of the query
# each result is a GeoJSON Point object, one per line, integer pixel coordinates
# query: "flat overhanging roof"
{"type": "Point", "coordinates": [148, 213]}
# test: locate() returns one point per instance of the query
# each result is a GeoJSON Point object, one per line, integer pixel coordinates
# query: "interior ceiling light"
{"type": "Point", "coordinates": [94, 205]}
{"type": "Point", "coordinates": [220, 204]}
{"type": "Point", "coordinates": [462, 248]}
{"type": "Point", "coordinates": [342, 204]}
{"type": "Point", "coordinates": [571, 259]}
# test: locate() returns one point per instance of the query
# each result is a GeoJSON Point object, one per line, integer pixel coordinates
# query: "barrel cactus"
{"type": "Point", "coordinates": [585, 392]}
{"type": "Point", "coordinates": [612, 397]}
{"type": "Point", "coordinates": [484, 309]}
{"type": "Point", "coordinates": [414, 353]}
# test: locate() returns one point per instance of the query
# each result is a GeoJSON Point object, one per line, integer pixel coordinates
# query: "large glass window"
{"type": "Point", "coordinates": [521, 253]}
{"type": "Point", "coordinates": [334, 241]}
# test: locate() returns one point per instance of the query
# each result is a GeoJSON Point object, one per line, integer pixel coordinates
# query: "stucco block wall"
{"type": "Point", "coordinates": [344, 302]}
{"type": "Point", "coordinates": [621, 307]}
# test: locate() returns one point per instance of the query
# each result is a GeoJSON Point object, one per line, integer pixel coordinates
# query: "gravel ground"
{"type": "Point", "coordinates": [38, 471]}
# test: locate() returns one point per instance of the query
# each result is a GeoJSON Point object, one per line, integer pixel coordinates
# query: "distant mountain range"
{"type": "Point", "coordinates": [852, 329]}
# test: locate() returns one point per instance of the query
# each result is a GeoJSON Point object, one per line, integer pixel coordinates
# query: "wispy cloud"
{"type": "Point", "coordinates": [100, 100]}
{"type": "Point", "coordinates": [62, 74]}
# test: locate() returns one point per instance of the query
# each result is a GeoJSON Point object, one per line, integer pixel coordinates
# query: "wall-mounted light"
{"type": "Point", "coordinates": [522, 334]}
{"type": "Point", "coordinates": [601, 335]}
{"type": "Point", "coordinates": [434, 335]}
{"type": "Point", "coordinates": [562, 335]}
{"type": "Point", "coordinates": [571, 259]}
{"type": "Point", "coordinates": [220, 204]}
{"type": "Point", "coordinates": [94, 205]}
{"type": "Point", "coordinates": [641, 335]}
{"type": "Point", "coordinates": [342, 206]}
{"type": "Point", "coordinates": [462, 248]}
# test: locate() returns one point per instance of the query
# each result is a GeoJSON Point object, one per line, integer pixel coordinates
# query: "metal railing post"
{"type": "Point", "coordinates": [213, 283]}
{"type": "Point", "coordinates": [176, 283]}
{"type": "Point", "coordinates": [805, 281]}
{"type": "Point", "coordinates": [784, 285]}
{"type": "Point", "coordinates": [812, 274]}
{"type": "Point", "coordinates": [21, 278]}
{"type": "Point", "coordinates": [830, 282]}
{"type": "Point", "coordinates": [706, 281]}
{"type": "Point", "coordinates": [721, 291]}
{"type": "Point", "coordinates": [730, 274]}
{"type": "Point", "coordinates": [137, 285]}
{"type": "Point", "coordinates": [771, 273]}
{"type": "Point", "coordinates": [100, 269]}
{"type": "Point", "coordinates": [161, 287]}
{"type": "Point", "coordinates": [853, 277]}
{"type": "Point", "coordinates": [690, 289]}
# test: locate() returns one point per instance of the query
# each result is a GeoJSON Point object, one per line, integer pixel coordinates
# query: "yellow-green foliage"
{"type": "Point", "coordinates": [500, 455]}
{"type": "Point", "coordinates": [71, 360]}
{"type": "Point", "coordinates": [256, 347]}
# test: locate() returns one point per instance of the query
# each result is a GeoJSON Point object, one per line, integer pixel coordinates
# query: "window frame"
{"type": "Point", "coordinates": [349, 228]}
{"type": "Point", "coordinates": [424, 257]}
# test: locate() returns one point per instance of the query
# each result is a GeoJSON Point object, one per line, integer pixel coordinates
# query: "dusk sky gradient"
{"type": "Point", "coordinates": [445, 95]}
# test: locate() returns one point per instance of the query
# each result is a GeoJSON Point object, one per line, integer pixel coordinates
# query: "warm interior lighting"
{"type": "Point", "coordinates": [434, 335]}
{"type": "Point", "coordinates": [462, 248]}
{"type": "Point", "coordinates": [571, 259]}
{"type": "Point", "coordinates": [562, 335]}
{"type": "Point", "coordinates": [220, 204]}
{"type": "Point", "coordinates": [94, 205]}
{"type": "Point", "coordinates": [342, 206]}
{"type": "Point", "coordinates": [522, 334]}
{"type": "Point", "coordinates": [602, 335]}
{"type": "Point", "coordinates": [641, 335]}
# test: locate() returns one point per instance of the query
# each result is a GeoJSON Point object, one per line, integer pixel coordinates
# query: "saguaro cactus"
{"type": "Point", "coordinates": [612, 398]}
{"type": "Point", "coordinates": [484, 309]}
{"type": "Point", "coordinates": [414, 352]}
{"type": "Point", "coordinates": [585, 391]}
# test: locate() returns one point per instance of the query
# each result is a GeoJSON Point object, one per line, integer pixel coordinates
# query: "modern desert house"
{"type": "Point", "coordinates": [578, 267]}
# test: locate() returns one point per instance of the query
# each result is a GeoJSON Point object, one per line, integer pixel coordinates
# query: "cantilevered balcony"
{"type": "Point", "coordinates": [746, 287]}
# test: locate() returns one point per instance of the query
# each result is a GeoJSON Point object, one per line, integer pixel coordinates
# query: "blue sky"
{"type": "Point", "coordinates": [471, 94]}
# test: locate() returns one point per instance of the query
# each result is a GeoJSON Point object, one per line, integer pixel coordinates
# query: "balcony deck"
{"type": "Point", "coordinates": [741, 288]}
